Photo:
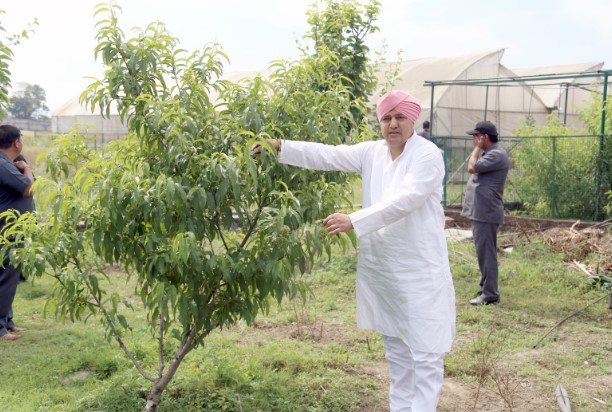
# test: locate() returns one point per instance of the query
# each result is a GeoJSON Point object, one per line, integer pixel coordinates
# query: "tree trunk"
{"type": "Point", "coordinates": [154, 398]}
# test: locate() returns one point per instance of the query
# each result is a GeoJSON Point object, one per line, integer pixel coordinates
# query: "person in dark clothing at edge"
{"type": "Point", "coordinates": [16, 179]}
{"type": "Point", "coordinates": [425, 132]}
{"type": "Point", "coordinates": [21, 277]}
{"type": "Point", "coordinates": [488, 166]}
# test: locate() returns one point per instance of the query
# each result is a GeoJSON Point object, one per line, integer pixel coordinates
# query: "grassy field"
{"type": "Point", "coordinates": [311, 357]}
{"type": "Point", "coordinates": [33, 145]}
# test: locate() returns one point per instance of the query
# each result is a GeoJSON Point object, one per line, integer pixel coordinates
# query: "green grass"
{"type": "Point", "coordinates": [311, 357]}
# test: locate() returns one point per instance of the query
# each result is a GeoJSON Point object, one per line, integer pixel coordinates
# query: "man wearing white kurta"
{"type": "Point", "coordinates": [404, 285]}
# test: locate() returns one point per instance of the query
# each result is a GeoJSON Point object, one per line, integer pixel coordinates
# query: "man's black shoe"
{"type": "Point", "coordinates": [480, 300]}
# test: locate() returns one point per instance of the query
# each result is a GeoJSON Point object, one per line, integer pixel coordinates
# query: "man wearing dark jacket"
{"type": "Point", "coordinates": [16, 179]}
{"type": "Point", "coordinates": [483, 205]}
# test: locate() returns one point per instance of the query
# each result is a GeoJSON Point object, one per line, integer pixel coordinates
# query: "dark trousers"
{"type": "Point", "coordinates": [485, 240]}
{"type": "Point", "coordinates": [9, 279]}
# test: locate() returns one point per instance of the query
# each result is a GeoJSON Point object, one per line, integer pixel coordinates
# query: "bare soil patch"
{"type": "Point", "coordinates": [576, 240]}
{"type": "Point", "coordinates": [576, 245]}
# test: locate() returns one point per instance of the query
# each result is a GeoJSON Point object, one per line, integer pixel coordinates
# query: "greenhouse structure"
{"type": "Point", "coordinates": [442, 84]}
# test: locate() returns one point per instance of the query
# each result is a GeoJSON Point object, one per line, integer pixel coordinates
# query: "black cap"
{"type": "Point", "coordinates": [485, 127]}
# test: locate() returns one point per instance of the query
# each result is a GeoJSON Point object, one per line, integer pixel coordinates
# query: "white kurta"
{"type": "Point", "coordinates": [404, 283]}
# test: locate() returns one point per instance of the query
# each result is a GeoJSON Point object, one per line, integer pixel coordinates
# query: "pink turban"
{"type": "Point", "coordinates": [407, 105]}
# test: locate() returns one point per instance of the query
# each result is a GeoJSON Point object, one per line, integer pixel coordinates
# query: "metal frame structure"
{"type": "Point", "coordinates": [514, 81]}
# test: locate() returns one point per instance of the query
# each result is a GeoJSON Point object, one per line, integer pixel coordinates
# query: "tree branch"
{"type": "Point", "coordinates": [160, 370]}
{"type": "Point", "coordinates": [221, 235]}
{"type": "Point", "coordinates": [115, 332]}
{"type": "Point", "coordinates": [249, 232]}
{"type": "Point", "coordinates": [568, 317]}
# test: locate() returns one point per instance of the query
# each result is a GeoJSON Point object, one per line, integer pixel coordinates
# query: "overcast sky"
{"type": "Point", "coordinates": [59, 56]}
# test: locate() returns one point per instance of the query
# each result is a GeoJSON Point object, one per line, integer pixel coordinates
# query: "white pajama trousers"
{"type": "Point", "coordinates": [416, 377]}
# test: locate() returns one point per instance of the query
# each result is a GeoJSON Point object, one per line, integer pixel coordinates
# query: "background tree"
{"type": "Point", "coordinates": [29, 103]}
{"type": "Point", "coordinates": [209, 233]}
{"type": "Point", "coordinates": [7, 42]}
{"type": "Point", "coordinates": [562, 155]}
{"type": "Point", "coordinates": [591, 116]}
{"type": "Point", "coordinates": [339, 30]}
{"type": "Point", "coordinates": [6, 56]}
